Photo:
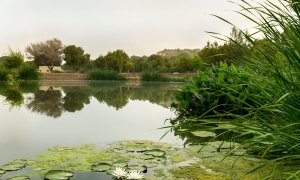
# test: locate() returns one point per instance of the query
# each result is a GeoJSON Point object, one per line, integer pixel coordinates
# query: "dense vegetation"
{"type": "Point", "coordinates": [52, 53]}
{"type": "Point", "coordinates": [98, 74]}
{"type": "Point", "coordinates": [13, 67]}
{"type": "Point", "coordinates": [261, 108]}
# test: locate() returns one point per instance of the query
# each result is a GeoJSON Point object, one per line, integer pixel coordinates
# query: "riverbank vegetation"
{"type": "Point", "coordinates": [258, 106]}
{"type": "Point", "coordinates": [13, 67]}
{"type": "Point", "coordinates": [98, 74]}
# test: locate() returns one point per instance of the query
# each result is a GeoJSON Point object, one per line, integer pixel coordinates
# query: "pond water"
{"type": "Point", "coordinates": [37, 116]}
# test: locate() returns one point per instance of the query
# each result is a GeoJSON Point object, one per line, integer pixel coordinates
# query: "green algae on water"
{"type": "Point", "coordinates": [155, 159]}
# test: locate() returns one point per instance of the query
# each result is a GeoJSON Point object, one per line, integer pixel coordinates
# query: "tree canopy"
{"type": "Point", "coordinates": [48, 53]}
{"type": "Point", "coordinates": [75, 56]}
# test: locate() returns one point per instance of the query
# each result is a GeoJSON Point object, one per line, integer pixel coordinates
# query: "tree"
{"type": "Point", "coordinates": [14, 60]}
{"type": "Point", "coordinates": [48, 53]}
{"type": "Point", "coordinates": [117, 60]}
{"type": "Point", "coordinates": [157, 62]}
{"type": "Point", "coordinates": [100, 63]}
{"type": "Point", "coordinates": [75, 56]}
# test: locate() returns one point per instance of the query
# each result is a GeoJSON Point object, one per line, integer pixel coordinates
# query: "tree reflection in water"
{"type": "Point", "coordinates": [55, 101]}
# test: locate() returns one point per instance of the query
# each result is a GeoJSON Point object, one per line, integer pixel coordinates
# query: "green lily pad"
{"type": "Point", "coordinates": [19, 178]}
{"type": "Point", "coordinates": [59, 175]}
{"type": "Point", "coordinates": [142, 168]}
{"type": "Point", "coordinates": [12, 166]}
{"type": "Point", "coordinates": [155, 152]}
{"type": "Point", "coordinates": [161, 159]}
{"type": "Point", "coordinates": [101, 167]}
{"type": "Point", "coordinates": [2, 172]}
{"type": "Point", "coordinates": [120, 165]}
{"type": "Point", "coordinates": [204, 134]}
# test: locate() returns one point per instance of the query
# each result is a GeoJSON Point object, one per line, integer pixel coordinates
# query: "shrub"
{"type": "Point", "coordinates": [3, 74]}
{"type": "Point", "coordinates": [28, 72]}
{"type": "Point", "coordinates": [98, 74]}
{"type": "Point", "coordinates": [153, 76]}
{"type": "Point", "coordinates": [14, 60]}
{"type": "Point", "coordinates": [221, 89]}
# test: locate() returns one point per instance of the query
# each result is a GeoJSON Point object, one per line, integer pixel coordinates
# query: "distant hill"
{"type": "Point", "coordinates": [173, 53]}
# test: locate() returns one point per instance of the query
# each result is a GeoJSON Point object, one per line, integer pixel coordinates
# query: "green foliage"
{"type": "Point", "coordinates": [98, 74]}
{"type": "Point", "coordinates": [75, 56]}
{"type": "Point", "coordinates": [153, 76]}
{"type": "Point", "coordinates": [221, 89]}
{"type": "Point", "coordinates": [116, 60]}
{"type": "Point", "coordinates": [3, 74]}
{"type": "Point", "coordinates": [14, 60]}
{"type": "Point", "coordinates": [28, 72]}
{"type": "Point", "coordinates": [230, 52]}
{"type": "Point", "coordinates": [174, 53]}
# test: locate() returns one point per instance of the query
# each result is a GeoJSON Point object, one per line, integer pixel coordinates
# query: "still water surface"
{"type": "Point", "coordinates": [35, 116]}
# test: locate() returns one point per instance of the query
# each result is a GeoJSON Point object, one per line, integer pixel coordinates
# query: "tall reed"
{"type": "Point", "coordinates": [276, 135]}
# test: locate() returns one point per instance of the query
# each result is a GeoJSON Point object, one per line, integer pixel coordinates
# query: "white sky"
{"type": "Point", "coordinates": [140, 27]}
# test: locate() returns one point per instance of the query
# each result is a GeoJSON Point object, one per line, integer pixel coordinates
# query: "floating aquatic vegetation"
{"type": "Point", "coordinates": [19, 178]}
{"type": "Point", "coordinates": [101, 167]}
{"type": "Point", "coordinates": [14, 166]}
{"type": "Point", "coordinates": [120, 165]}
{"type": "Point", "coordinates": [58, 175]}
{"type": "Point", "coordinates": [2, 172]}
{"type": "Point", "coordinates": [155, 152]}
{"type": "Point", "coordinates": [204, 134]}
{"type": "Point", "coordinates": [144, 156]}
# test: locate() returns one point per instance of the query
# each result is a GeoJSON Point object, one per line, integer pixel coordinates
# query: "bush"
{"type": "Point", "coordinates": [153, 76]}
{"type": "Point", "coordinates": [221, 89]}
{"type": "Point", "coordinates": [3, 74]}
{"type": "Point", "coordinates": [98, 74]}
{"type": "Point", "coordinates": [28, 72]}
{"type": "Point", "coordinates": [14, 60]}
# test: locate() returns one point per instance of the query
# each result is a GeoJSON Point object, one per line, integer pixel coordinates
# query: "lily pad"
{"type": "Point", "coordinates": [142, 168]}
{"type": "Point", "coordinates": [101, 167]}
{"type": "Point", "coordinates": [19, 178]}
{"type": "Point", "coordinates": [155, 152]}
{"type": "Point", "coordinates": [59, 175]}
{"type": "Point", "coordinates": [204, 134]}
{"type": "Point", "coordinates": [2, 172]}
{"type": "Point", "coordinates": [12, 166]}
{"type": "Point", "coordinates": [161, 159]}
{"type": "Point", "coordinates": [120, 165]}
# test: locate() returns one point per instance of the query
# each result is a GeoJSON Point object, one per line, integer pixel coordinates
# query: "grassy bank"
{"type": "Point", "coordinates": [259, 107]}
{"type": "Point", "coordinates": [98, 74]}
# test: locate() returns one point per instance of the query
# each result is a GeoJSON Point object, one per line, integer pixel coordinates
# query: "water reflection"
{"type": "Point", "coordinates": [84, 113]}
{"type": "Point", "coordinates": [53, 99]}
{"type": "Point", "coordinates": [224, 131]}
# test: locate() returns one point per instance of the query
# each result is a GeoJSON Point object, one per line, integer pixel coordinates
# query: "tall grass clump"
{"type": "Point", "coordinates": [14, 60]}
{"type": "Point", "coordinates": [275, 135]}
{"type": "Point", "coordinates": [3, 74]}
{"type": "Point", "coordinates": [28, 72]}
{"type": "Point", "coordinates": [222, 89]}
{"type": "Point", "coordinates": [270, 118]}
{"type": "Point", "coordinates": [98, 74]}
{"type": "Point", "coordinates": [153, 76]}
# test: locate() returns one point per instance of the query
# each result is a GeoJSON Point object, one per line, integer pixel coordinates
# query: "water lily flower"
{"type": "Point", "coordinates": [135, 175]}
{"type": "Point", "coordinates": [119, 173]}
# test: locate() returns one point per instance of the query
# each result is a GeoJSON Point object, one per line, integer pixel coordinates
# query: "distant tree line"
{"type": "Point", "coordinates": [52, 53]}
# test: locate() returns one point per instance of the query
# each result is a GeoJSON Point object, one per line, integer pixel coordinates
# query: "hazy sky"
{"type": "Point", "coordinates": [140, 27]}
